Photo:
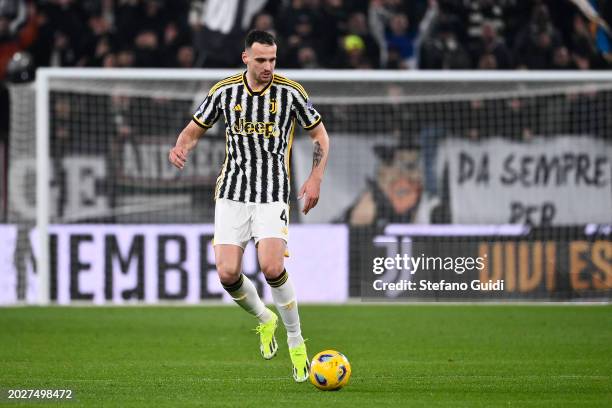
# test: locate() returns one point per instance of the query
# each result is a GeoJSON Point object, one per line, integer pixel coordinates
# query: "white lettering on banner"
{"type": "Point", "coordinates": [553, 181]}
{"type": "Point", "coordinates": [22, 200]}
{"type": "Point", "coordinates": [147, 160]}
{"type": "Point", "coordinates": [8, 273]}
{"type": "Point", "coordinates": [151, 263]}
{"type": "Point", "coordinates": [81, 175]}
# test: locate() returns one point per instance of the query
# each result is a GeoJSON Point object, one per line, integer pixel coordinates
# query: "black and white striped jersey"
{"type": "Point", "coordinates": [259, 128]}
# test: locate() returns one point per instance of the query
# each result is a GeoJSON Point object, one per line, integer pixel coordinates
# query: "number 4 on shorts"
{"type": "Point", "coordinates": [283, 216]}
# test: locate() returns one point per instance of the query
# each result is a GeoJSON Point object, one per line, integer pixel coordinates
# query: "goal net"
{"type": "Point", "coordinates": [513, 167]}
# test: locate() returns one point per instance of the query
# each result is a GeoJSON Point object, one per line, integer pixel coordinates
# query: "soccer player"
{"type": "Point", "coordinates": [261, 110]}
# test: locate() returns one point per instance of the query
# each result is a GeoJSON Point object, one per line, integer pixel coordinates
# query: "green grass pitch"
{"type": "Point", "coordinates": [414, 355]}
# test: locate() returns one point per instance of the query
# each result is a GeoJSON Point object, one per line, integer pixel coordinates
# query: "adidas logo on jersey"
{"type": "Point", "coordinates": [245, 128]}
{"type": "Point", "coordinates": [238, 108]}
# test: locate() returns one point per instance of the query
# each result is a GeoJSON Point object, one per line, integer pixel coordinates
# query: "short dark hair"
{"type": "Point", "coordinates": [258, 36]}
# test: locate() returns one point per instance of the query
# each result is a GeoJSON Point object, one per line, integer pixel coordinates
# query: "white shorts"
{"type": "Point", "coordinates": [236, 223]}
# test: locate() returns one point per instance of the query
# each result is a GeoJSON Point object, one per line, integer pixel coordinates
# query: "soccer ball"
{"type": "Point", "coordinates": [330, 370]}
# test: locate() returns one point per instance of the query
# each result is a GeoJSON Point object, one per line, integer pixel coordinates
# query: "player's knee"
{"type": "Point", "coordinates": [228, 272]}
{"type": "Point", "coordinates": [272, 269]}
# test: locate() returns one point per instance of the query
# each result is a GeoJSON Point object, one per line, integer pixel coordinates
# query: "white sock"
{"type": "Point", "coordinates": [284, 299]}
{"type": "Point", "coordinates": [244, 293]}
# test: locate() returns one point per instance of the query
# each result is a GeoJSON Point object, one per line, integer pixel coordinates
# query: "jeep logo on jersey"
{"type": "Point", "coordinates": [267, 129]}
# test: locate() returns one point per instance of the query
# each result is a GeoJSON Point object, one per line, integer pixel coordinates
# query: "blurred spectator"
{"type": "Point", "coordinates": [125, 58]}
{"type": "Point", "coordinates": [98, 42]}
{"type": "Point", "coordinates": [400, 37]}
{"type": "Point", "coordinates": [331, 24]}
{"type": "Point", "coordinates": [177, 46]}
{"type": "Point", "coordinates": [379, 15]}
{"type": "Point", "coordinates": [127, 21]}
{"type": "Point", "coordinates": [535, 44]}
{"type": "Point", "coordinates": [443, 50]}
{"type": "Point", "coordinates": [147, 49]}
{"type": "Point", "coordinates": [302, 36]}
{"type": "Point", "coordinates": [153, 18]}
{"type": "Point", "coordinates": [185, 57]}
{"type": "Point", "coordinates": [64, 50]}
{"type": "Point", "coordinates": [491, 50]}
{"type": "Point", "coordinates": [357, 24]}
{"type": "Point", "coordinates": [353, 53]}
{"type": "Point", "coordinates": [582, 45]}
{"type": "Point", "coordinates": [562, 59]}
{"type": "Point", "coordinates": [264, 22]}
{"type": "Point", "coordinates": [307, 58]}
{"type": "Point", "coordinates": [487, 61]}
{"type": "Point", "coordinates": [68, 24]}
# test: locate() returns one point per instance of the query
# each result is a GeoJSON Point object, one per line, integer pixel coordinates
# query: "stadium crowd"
{"type": "Point", "coordinates": [393, 34]}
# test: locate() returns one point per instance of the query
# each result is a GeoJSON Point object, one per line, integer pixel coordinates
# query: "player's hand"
{"type": "Point", "coordinates": [178, 157]}
{"type": "Point", "coordinates": [310, 192]}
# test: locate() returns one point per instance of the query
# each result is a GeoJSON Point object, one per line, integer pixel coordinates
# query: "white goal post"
{"type": "Point", "coordinates": [340, 86]}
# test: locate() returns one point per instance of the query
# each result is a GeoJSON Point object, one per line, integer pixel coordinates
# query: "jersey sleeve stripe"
{"type": "Point", "coordinates": [223, 81]}
{"type": "Point", "coordinates": [226, 81]}
{"type": "Point", "coordinates": [200, 123]}
{"type": "Point", "coordinates": [290, 81]}
{"type": "Point", "coordinates": [293, 85]}
{"type": "Point", "coordinates": [222, 84]}
{"type": "Point", "coordinates": [297, 85]}
{"type": "Point", "coordinates": [316, 122]}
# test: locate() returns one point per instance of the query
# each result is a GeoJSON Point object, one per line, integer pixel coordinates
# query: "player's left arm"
{"type": "Point", "coordinates": [312, 187]}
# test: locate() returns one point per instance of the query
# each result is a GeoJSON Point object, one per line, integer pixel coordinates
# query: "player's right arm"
{"type": "Point", "coordinates": [187, 140]}
{"type": "Point", "coordinates": [203, 119]}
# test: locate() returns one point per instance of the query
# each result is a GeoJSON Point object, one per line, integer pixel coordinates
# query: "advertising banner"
{"type": "Point", "coordinates": [175, 263]}
{"type": "Point", "coordinates": [132, 264]}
